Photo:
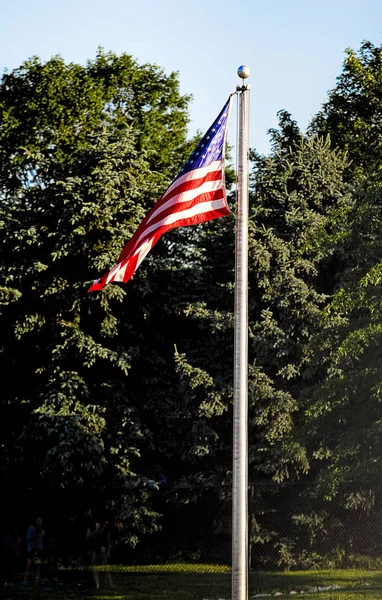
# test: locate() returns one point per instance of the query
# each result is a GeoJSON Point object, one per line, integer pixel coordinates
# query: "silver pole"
{"type": "Point", "coordinates": [240, 398]}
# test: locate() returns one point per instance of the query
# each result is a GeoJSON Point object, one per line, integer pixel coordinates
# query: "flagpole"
{"type": "Point", "coordinates": [240, 398]}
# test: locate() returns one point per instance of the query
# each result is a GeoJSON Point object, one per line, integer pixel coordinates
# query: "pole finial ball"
{"type": "Point", "coordinates": [244, 72]}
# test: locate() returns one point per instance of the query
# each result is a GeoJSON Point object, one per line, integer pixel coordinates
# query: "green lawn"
{"type": "Point", "coordinates": [198, 582]}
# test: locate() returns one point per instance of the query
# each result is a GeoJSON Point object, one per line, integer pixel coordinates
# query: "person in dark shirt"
{"type": "Point", "coordinates": [35, 544]}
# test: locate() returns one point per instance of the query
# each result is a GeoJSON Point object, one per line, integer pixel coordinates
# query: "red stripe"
{"type": "Point", "coordinates": [131, 262]}
{"type": "Point", "coordinates": [149, 232]}
{"type": "Point", "coordinates": [129, 257]}
{"type": "Point", "coordinates": [180, 206]}
{"type": "Point", "coordinates": [188, 185]}
{"type": "Point", "coordinates": [195, 220]}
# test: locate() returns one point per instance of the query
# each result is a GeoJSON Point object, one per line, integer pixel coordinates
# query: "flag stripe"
{"type": "Point", "coordinates": [199, 214]}
{"type": "Point", "coordinates": [171, 220]}
{"type": "Point", "coordinates": [195, 174]}
{"type": "Point", "coordinates": [174, 208]}
{"type": "Point", "coordinates": [196, 195]}
{"type": "Point", "coordinates": [170, 204]}
{"type": "Point", "coordinates": [188, 195]}
{"type": "Point", "coordinates": [124, 269]}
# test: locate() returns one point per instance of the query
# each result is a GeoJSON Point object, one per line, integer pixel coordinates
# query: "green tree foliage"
{"type": "Point", "coordinates": [55, 106]}
{"type": "Point", "coordinates": [298, 197]}
{"type": "Point", "coordinates": [122, 400]}
{"type": "Point", "coordinates": [78, 147]}
{"type": "Point", "coordinates": [352, 113]}
{"type": "Point", "coordinates": [343, 381]}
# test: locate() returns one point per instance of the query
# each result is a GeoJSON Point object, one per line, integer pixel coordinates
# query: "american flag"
{"type": "Point", "coordinates": [196, 195]}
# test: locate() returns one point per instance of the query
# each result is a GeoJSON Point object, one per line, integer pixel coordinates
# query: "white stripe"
{"type": "Point", "coordinates": [121, 272]}
{"type": "Point", "coordinates": [111, 273]}
{"type": "Point", "coordinates": [216, 165]}
{"type": "Point", "coordinates": [153, 227]}
{"type": "Point", "coordinates": [190, 176]}
{"type": "Point", "coordinates": [118, 272]}
{"type": "Point", "coordinates": [197, 209]}
{"type": "Point", "coordinates": [144, 250]}
{"type": "Point", "coordinates": [207, 186]}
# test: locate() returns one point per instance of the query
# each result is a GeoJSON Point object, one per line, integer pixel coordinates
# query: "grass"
{"type": "Point", "coordinates": [201, 582]}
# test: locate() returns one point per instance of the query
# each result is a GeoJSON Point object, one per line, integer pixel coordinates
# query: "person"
{"type": "Point", "coordinates": [35, 543]}
{"type": "Point", "coordinates": [99, 547]}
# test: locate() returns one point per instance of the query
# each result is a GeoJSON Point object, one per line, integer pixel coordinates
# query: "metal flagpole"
{"type": "Point", "coordinates": [240, 398]}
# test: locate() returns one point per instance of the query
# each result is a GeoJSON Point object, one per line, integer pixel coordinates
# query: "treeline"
{"type": "Point", "coordinates": [119, 402]}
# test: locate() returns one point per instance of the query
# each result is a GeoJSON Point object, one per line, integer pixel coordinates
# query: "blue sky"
{"type": "Point", "coordinates": [295, 48]}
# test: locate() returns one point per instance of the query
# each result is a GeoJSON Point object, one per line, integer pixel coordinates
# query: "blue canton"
{"type": "Point", "coordinates": [211, 146]}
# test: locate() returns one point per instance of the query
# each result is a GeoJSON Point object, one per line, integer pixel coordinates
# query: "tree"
{"type": "Point", "coordinates": [341, 393]}
{"type": "Point", "coordinates": [352, 113]}
{"type": "Point", "coordinates": [298, 197]}
{"type": "Point", "coordinates": [77, 149]}
{"type": "Point", "coordinates": [342, 407]}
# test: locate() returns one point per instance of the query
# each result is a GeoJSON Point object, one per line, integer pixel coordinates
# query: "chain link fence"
{"type": "Point", "coordinates": [294, 528]}
{"type": "Point", "coordinates": [290, 527]}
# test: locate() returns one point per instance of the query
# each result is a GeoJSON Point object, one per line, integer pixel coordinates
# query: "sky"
{"type": "Point", "coordinates": [295, 48]}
